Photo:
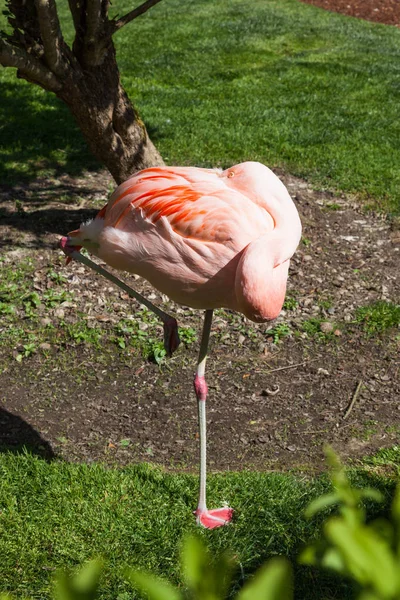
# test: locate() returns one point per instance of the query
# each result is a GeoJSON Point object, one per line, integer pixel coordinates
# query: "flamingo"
{"type": "Point", "coordinates": [208, 239]}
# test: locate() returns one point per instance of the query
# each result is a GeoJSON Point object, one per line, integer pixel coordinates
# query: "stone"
{"type": "Point", "coordinates": [326, 327]}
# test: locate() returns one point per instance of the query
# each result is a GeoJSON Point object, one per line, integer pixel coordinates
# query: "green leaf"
{"type": "Point", "coordinates": [274, 581]}
{"type": "Point", "coordinates": [396, 520]}
{"type": "Point", "coordinates": [367, 557]}
{"type": "Point", "coordinates": [333, 560]}
{"type": "Point", "coordinates": [321, 503]}
{"type": "Point", "coordinates": [396, 508]}
{"type": "Point", "coordinates": [154, 587]}
{"type": "Point", "coordinates": [195, 562]}
{"type": "Point", "coordinates": [208, 579]}
{"type": "Point", "coordinates": [83, 586]}
{"type": "Point", "coordinates": [371, 494]}
{"type": "Point", "coordinates": [368, 596]}
{"type": "Point", "coordinates": [223, 569]}
{"type": "Point", "coordinates": [309, 556]}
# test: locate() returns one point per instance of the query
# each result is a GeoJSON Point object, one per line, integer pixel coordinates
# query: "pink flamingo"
{"type": "Point", "coordinates": [206, 238]}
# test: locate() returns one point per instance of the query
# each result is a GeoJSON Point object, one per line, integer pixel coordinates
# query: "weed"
{"type": "Point", "coordinates": [306, 241]}
{"type": "Point", "coordinates": [325, 303]}
{"type": "Point", "coordinates": [53, 298]}
{"type": "Point", "coordinates": [279, 332]}
{"type": "Point", "coordinates": [332, 206]}
{"type": "Point", "coordinates": [81, 334]}
{"type": "Point", "coordinates": [312, 327]}
{"type": "Point", "coordinates": [378, 317]}
{"type": "Point", "coordinates": [157, 352]}
{"type": "Point", "coordinates": [120, 343]}
{"type": "Point", "coordinates": [6, 309]}
{"type": "Point", "coordinates": [187, 335]}
{"type": "Point", "coordinates": [56, 277]}
{"type": "Point", "coordinates": [19, 207]}
{"type": "Point", "coordinates": [290, 303]}
{"type": "Point", "coordinates": [28, 350]}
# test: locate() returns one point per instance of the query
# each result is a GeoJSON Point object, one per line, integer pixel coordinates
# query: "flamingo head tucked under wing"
{"type": "Point", "coordinates": [75, 241]}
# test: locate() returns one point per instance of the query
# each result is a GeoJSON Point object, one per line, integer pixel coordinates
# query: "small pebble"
{"type": "Point", "coordinates": [323, 371]}
{"type": "Point", "coordinates": [326, 327]}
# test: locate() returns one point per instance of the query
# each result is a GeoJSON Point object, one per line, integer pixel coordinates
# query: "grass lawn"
{"type": "Point", "coordinates": [217, 83]}
{"type": "Point", "coordinates": [57, 514]}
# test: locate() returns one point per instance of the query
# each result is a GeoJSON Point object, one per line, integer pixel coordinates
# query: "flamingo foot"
{"type": "Point", "coordinates": [171, 336]}
{"type": "Point", "coordinates": [210, 519]}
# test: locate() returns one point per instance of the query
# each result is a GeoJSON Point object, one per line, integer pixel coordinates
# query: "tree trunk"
{"type": "Point", "coordinates": [85, 77]}
{"type": "Point", "coordinates": [110, 124]}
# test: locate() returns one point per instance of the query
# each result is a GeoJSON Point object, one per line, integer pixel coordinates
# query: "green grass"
{"type": "Point", "coordinates": [221, 82]}
{"type": "Point", "coordinates": [378, 317]}
{"type": "Point", "coordinates": [385, 457]}
{"type": "Point", "coordinates": [57, 515]}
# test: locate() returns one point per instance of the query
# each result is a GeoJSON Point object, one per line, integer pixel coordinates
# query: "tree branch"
{"type": "Point", "coordinates": [76, 11]}
{"type": "Point", "coordinates": [136, 12]}
{"type": "Point", "coordinates": [31, 68]}
{"type": "Point", "coordinates": [51, 35]}
{"type": "Point", "coordinates": [97, 35]}
{"type": "Point", "coordinates": [93, 20]}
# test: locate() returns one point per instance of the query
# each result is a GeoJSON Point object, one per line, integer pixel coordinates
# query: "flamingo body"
{"type": "Point", "coordinates": [205, 238]}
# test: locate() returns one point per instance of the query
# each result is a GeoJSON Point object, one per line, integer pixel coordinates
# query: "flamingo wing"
{"type": "Point", "coordinates": [196, 202]}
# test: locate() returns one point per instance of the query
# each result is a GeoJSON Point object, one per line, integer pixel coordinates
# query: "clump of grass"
{"type": "Point", "coordinates": [80, 333]}
{"type": "Point", "coordinates": [385, 457]}
{"type": "Point", "coordinates": [378, 317]}
{"type": "Point", "coordinates": [279, 332]}
{"type": "Point", "coordinates": [290, 303]}
{"type": "Point", "coordinates": [332, 206]}
{"type": "Point", "coordinates": [312, 327]}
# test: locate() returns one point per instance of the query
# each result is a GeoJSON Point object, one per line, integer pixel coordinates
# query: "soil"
{"type": "Point", "coordinates": [271, 405]}
{"type": "Point", "coordinates": [380, 11]}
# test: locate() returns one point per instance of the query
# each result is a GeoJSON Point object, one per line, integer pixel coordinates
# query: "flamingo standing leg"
{"type": "Point", "coordinates": [220, 516]}
{"type": "Point", "coordinates": [171, 336]}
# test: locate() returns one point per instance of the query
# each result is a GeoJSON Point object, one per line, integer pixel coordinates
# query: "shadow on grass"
{"type": "Point", "coordinates": [16, 435]}
{"type": "Point", "coordinates": [38, 136]}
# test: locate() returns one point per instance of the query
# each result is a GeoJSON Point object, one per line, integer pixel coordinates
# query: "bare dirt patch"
{"type": "Point", "coordinates": [276, 395]}
{"type": "Point", "coordinates": [380, 11]}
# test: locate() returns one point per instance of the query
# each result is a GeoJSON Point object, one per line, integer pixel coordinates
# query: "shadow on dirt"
{"type": "Point", "coordinates": [16, 435]}
{"type": "Point", "coordinates": [40, 223]}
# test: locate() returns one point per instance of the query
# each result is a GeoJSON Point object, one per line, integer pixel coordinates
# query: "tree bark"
{"type": "Point", "coordinates": [110, 124]}
{"type": "Point", "coordinates": [86, 77]}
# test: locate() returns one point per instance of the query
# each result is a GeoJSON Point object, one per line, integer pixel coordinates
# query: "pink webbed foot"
{"type": "Point", "coordinates": [171, 336]}
{"type": "Point", "coordinates": [210, 519]}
